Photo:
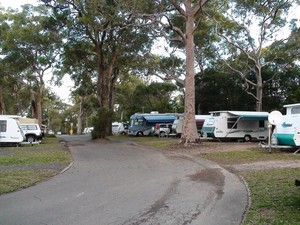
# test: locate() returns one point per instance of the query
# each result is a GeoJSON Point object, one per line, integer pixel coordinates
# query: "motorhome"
{"type": "Point", "coordinates": [287, 132]}
{"type": "Point", "coordinates": [246, 125]}
{"type": "Point", "coordinates": [178, 122]}
{"type": "Point", "coordinates": [143, 123]}
{"type": "Point", "coordinates": [10, 131]}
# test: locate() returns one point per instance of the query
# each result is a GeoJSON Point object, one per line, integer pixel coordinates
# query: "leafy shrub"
{"type": "Point", "coordinates": [102, 123]}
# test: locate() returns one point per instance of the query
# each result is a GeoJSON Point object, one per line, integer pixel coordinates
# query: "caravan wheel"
{"type": "Point", "coordinates": [30, 138]}
{"type": "Point", "coordinates": [247, 138]}
{"type": "Point", "coordinates": [140, 134]}
{"type": "Point", "coordinates": [162, 134]}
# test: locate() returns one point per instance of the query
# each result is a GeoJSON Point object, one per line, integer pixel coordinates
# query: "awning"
{"type": "Point", "coordinates": [248, 115]}
{"type": "Point", "coordinates": [160, 118]}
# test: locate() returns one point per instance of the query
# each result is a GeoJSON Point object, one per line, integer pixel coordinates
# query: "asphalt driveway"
{"type": "Point", "coordinates": [121, 183]}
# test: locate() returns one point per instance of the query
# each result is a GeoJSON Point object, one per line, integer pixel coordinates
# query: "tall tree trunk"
{"type": "Point", "coordinates": [79, 117]}
{"type": "Point", "coordinates": [259, 90]}
{"type": "Point", "coordinates": [189, 129]}
{"type": "Point", "coordinates": [105, 91]}
{"type": "Point", "coordinates": [36, 104]}
{"type": "Point", "coordinates": [2, 104]}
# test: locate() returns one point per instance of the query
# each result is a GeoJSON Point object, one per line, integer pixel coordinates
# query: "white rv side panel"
{"type": "Point", "coordinates": [10, 131]}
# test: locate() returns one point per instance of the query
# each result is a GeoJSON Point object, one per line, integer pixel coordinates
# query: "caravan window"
{"type": "Point", "coordinates": [3, 124]}
{"type": "Point", "coordinates": [216, 114]}
{"type": "Point", "coordinates": [261, 123]}
{"type": "Point", "coordinates": [295, 110]}
{"type": "Point", "coordinates": [232, 123]}
{"type": "Point", "coordinates": [29, 127]}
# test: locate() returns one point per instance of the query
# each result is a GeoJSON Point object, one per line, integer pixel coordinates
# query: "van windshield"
{"type": "Point", "coordinates": [136, 122]}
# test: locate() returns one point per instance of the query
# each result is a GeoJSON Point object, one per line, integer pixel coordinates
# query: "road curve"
{"type": "Point", "coordinates": [121, 183]}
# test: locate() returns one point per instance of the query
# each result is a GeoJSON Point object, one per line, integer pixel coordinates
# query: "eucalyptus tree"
{"type": "Point", "coordinates": [30, 45]}
{"type": "Point", "coordinates": [247, 28]}
{"type": "Point", "coordinates": [116, 35]}
{"type": "Point", "coordinates": [285, 87]}
{"type": "Point", "coordinates": [124, 95]}
{"type": "Point", "coordinates": [217, 88]}
{"type": "Point", "coordinates": [180, 20]}
{"type": "Point", "coordinates": [156, 97]}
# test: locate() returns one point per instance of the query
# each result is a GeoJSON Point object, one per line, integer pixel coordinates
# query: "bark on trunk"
{"type": "Point", "coordinates": [36, 104]}
{"type": "Point", "coordinates": [107, 75]}
{"type": "Point", "coordinates": [189, 130]}
{"type": "Point", "coordinates": [79, 117]}
{"type": "Point", "coordinates": [2, 104]}
{"type": "Point", "coordinates": [259, 91]}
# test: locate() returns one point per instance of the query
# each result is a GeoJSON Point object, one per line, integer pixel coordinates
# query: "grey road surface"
{"type": "Point", "coordinates": [121, 183]}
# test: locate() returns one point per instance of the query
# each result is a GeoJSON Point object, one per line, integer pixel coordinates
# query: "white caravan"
{"type": "Point", "coordinates": [246, 125]}
{"type": "Point", "coordinates": [10, 131]}
{"type": "Point", "coordinates": [178, 122]}
{"type": "Point", "coordinates": [287, 132]}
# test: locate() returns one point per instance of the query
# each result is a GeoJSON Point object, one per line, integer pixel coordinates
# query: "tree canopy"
{"type": "Point", "coordinates": [215, 59]}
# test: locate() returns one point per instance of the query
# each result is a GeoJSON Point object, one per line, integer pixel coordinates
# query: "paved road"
{"type": "Point", "coordinates": [121, 183]}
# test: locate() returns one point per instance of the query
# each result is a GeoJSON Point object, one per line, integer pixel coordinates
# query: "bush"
{"type": "Point", "coordinates": [102, 123]}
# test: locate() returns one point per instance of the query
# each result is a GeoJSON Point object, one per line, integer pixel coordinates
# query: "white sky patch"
{"type": "Point", "coordinates": [14, 4]}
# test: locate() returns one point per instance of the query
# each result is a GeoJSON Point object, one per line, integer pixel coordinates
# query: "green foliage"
{"type": "Point", "coordinates": [221, 90]}
{"type": "Point", "coordinates": [102, 123]}
{"type": "Point", "coordinates": [153, 97]}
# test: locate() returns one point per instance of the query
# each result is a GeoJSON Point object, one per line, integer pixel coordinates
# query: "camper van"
{"type": "Point", "coordinates": [143, 124]}
{"type": "Point", "coordinates": [178, 122]}
{"type": "Point", "coordinates": [287, 132]}
{"type": "Point", "coordinates": [246, 125]}
{"type": "Point", "coordinates": [10, 131]}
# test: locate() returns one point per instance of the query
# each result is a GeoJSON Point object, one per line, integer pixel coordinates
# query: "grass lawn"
{"type": "Point", "coordinates": [11, 180]}
{"type": "Point", "coordinates": [23, 166]}
{"type": "Point", "coordinates": [274, 197]}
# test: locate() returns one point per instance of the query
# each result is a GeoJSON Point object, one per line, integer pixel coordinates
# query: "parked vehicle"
{"type": "Point", "coordinates": [10, 131]}
{"type": "Point", "coordinates": [118, 128]}
{"type": "Point", "coordinates": [88, 130]}
{"type": "Point", "coordinates": [246, 125]}
{"type": "Point", "coordinates": [163, 130]}
{"type": "Point", "coordinates": [32, 132]}
{"type": "Point", "coordinates": [143, 124]}
{"type": "Point", "coordinates": [287, 132]}
{"type": "Point", "coordinates": [178, 122]}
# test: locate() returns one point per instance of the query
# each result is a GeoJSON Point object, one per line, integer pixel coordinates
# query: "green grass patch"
{"type": "Point", "coordinates": [34, 157]}
{"type": "Point", "coordinates": [14, 180]}
{"type": "Point", "coordinates": [274, 197]}
{"type": "Point", "coordinates": [247, 156]}
{"type": "Point", "coordinates": [12, 177]}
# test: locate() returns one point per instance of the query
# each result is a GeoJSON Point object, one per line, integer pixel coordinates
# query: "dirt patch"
{"type": "Point", "coordinates": [209, 147]}
{"type": "Point", "coordinates": [267, 165]}
{"type": "Point", "coordinates": [212, 176]}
